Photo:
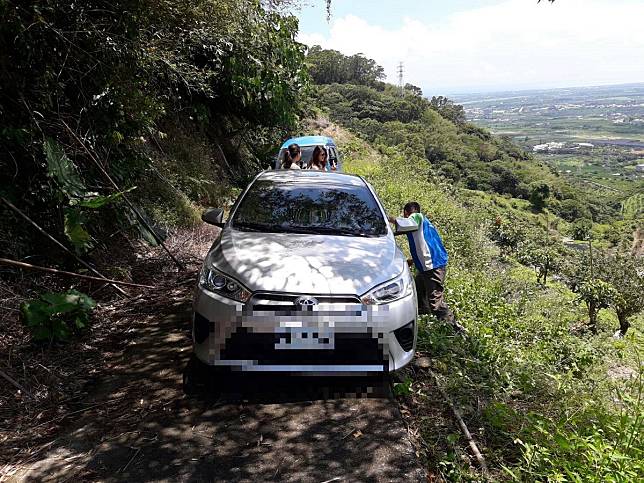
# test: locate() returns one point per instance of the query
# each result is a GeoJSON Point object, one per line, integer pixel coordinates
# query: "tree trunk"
{"type": "Point", "coordinates": [592, 315]}
{"type": "Point", "coordinates": [623, 322]}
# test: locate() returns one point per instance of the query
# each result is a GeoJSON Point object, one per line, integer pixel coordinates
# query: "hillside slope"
{"type": "Point", "coordinates": [544, 399]}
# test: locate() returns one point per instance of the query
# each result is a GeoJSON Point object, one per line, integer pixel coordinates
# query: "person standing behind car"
{"type": "Point", "coordinates": [318, 159]}
{"type": "Point", "coordinates": [292, 157]}
{"type": "Point", "coordinates": [430, 259]}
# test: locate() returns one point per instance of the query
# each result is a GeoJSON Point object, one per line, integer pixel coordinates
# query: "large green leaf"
{"type": "Point", "coordinates": [33, 312]}
{"type": "Point", "coordinates": [63, 170]}
{"type": "Point", "coordinates": [57, 315]}
{"type": "Point", "coordinates": [134, 221]}
{"type": "Point", "coordinates": [75, 229]}
{"type": "Point", "coordinates": [99, 201]}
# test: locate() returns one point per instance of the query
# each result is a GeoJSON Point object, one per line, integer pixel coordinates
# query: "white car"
{"type": "Point", "coordinates": [304, 278]}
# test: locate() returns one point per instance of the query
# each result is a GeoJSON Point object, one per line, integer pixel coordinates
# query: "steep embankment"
{"type": "Point", "coordinates": [542, 397]}
{"type": "Point", "coordinates": [119, 115]}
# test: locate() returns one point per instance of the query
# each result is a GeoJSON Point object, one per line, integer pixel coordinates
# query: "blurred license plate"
{"type": "Point", "coordinates": [305, 338]}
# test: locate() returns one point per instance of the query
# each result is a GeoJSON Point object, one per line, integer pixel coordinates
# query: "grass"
{"type": "Point", "coordinates": [546, 400]}
{"type": "Point", "coordinates": [541, 397]}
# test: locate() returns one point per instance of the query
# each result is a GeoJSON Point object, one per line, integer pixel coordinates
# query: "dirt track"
{"type": "Point", "coordinates": [136, 424]}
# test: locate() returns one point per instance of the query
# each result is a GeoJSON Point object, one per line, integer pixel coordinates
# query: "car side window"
{"type": "Point", "coordinates": [333, 158]}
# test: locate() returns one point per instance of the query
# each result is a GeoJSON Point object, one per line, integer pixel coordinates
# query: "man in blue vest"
{"type": "Point", "coordinates": [429, 256]}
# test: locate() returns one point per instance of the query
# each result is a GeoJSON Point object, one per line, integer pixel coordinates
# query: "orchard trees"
{"type": "Point", "coordinates": [626, 275]}
{"type": "Point", "coordinates": [539, 194]}
{"type": "Point", "coordinates": [597, 295]}
{"type": "Point", "coordinates": [508, 233]}
{"type": "Point", "coordinates": [543, 255]}
{"type": "Point", "coordinates": [609, 280]}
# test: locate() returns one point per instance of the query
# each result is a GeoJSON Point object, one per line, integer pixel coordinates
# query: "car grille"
{"type": "Point", "coordinates": [349, 349]}
{"type": "Point", "coordinates": [286, 303]}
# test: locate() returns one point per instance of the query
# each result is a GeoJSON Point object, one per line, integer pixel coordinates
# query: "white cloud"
{"type": "Point", "coordinates": [514, 44]}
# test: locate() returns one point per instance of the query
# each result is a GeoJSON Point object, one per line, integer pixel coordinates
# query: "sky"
{"type": "Point", "coordinates": [467, 46]}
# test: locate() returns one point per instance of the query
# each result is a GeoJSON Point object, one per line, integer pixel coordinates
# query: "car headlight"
{"type": "Point", "coordinates": [216, 281]}
{"type": "Point", "coordinates": [390, 291]}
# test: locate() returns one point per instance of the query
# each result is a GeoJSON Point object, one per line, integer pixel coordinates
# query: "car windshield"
{"type": "Point", "coordinates": [277, 207]}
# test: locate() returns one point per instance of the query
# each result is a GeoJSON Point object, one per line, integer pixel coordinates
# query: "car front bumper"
{"type": "Point", "coordinates": [338, 336]}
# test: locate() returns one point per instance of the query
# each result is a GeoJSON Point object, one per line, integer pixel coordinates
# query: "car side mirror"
{"type": "Point", "coordinates": [214, 216]}
{"type": "Point", "coordinates": [404, 226]}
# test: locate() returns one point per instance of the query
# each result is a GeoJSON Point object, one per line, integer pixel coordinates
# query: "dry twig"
{"type": "Point", "coordinates": [466, 432]}
{"type": "Point", "coordinates": [138, 450]}
{"type": "Point", "coordinates": [63, 247]}
{"type": "Point", "coordinates": [15, 383]}
{"type": "Point", "coordinates": [29, 266]}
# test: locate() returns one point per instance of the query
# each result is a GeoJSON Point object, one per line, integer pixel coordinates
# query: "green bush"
{"type": "Point", "coordinates": [546, 409]}
{"type": "Point", "coordinates": [100, 81]}
{"type": "Point", "coordinates": [56, 316]}
{"type": "Point", "coordinates": [398, 179]}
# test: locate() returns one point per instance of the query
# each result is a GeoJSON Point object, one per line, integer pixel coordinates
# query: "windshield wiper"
{"type": "Point", "coordinates": [248, 226]}
{"type": "Point", "coordinates": [312, 230]}
{"type": "Point", "coordinates": [329, 230]}
{"type": "Point", "coordinates": [263, 227]}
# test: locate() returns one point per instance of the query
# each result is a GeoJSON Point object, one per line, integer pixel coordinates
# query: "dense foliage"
{"type": "Point", "coordinates": [545, 400]}
{"type": "Point", "coordinates": [331, 66]}
{"type": "Point", "coordinates": [93, 86]}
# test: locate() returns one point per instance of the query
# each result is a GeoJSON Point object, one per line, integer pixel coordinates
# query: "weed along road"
{"type": "Point", "coordinates": [137, 425]}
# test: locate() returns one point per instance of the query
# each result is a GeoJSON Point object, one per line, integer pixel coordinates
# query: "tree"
{"type": "Point", "coordinates": [626, 274]}
{"type": "Point", "coordinates": [332, 67]}
{"type": "Point", "coordinates": [504, 180]}
{"type": "Point", "coordinates": [508, 234]}
{"type": "Point", "coordinates": [415, 90]}
{"type": "Point", "coordinates": [448, 109]}
{"type": "Point", "coordinates": [571, 209]}
{"type": "Point", "coordinates": [539, 194]}
{"type": "Point", "coordinates": [111, 74]}
{"type": "Point", "coordinates": [582, 229]}
{"type": "Point", "coordinates": [597, 295]}
{"type": "Point", "coordinates": [543, 255]}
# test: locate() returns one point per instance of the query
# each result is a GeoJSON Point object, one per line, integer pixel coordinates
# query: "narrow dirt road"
{"type": "Point", "coordinates": [136, 424]}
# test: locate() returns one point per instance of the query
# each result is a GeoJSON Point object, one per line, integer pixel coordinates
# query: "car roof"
{"type": "Point", "coordinates": [312, 177]}
{"type": "Point", "coordinates": [309, 141]}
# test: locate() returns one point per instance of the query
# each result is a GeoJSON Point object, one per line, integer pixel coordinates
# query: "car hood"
{"type": "Point", "coordinates": [307, 264]}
